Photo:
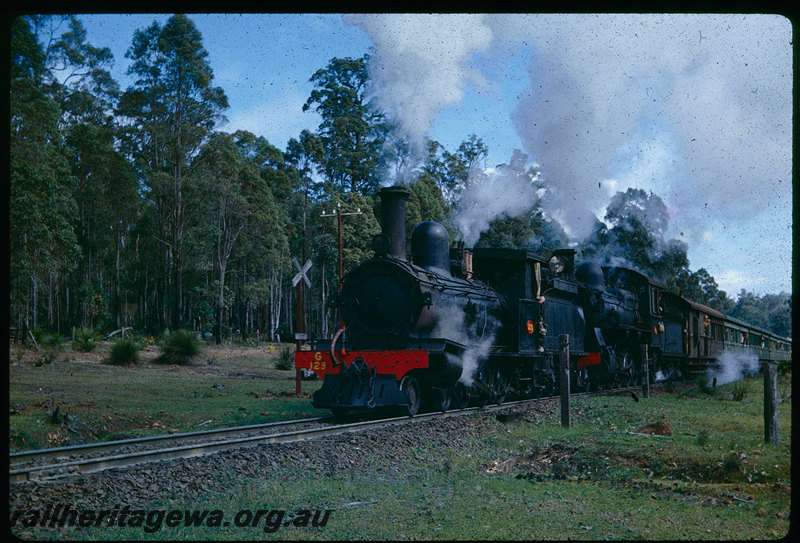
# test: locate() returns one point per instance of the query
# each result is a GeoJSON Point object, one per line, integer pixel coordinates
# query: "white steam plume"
{"type": "Point", "coordinates": [478, 337]}
{"type": "Point", "coordinates": [421, 63]}
{"type": "Point", "coordinates": [696, 108]}
{"type": "Point", "coordinates": [704, 97]}
{"type": "Point", "coordinates": [734, 367]}
{"type": "Point", "coordinates": [489, 195]}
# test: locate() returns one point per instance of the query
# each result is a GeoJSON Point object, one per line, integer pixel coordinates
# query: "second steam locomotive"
{"type": "Point", "coordinates": [449, 327]}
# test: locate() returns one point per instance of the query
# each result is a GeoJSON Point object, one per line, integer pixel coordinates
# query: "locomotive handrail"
{"type": "Point", "coordinates": [336, 361]}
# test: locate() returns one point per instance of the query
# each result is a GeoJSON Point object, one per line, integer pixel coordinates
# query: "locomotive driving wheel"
{"type": "Point", "coordinates": [500, 387]}
{"type": "Point", "coordinates": [460, 395]}
{"type": "Point", "coordinates": [410, 387]}
{"type": "Point", "coordinates": [586, 380]}
{"type": "Point", "coordinates": [444, 395]}
{"type": "Point", "coordinates": [625, 370]}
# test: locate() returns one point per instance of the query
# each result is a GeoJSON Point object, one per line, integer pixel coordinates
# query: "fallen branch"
{"type": "Point", "coordinates": [742, 500]}
{"type": "Point", "coordinates": [118, 331]}
{"type": "Point", "coordinates": [646, 435]}
{"type": "Point", "coordinates": [33, 339]}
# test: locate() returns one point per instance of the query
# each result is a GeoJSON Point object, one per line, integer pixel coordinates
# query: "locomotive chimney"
{"type": "Point", "coordinates": [393, 219]}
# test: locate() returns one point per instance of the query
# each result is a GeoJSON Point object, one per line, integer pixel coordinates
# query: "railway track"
{"type": "Point", "coordinates": [61, 462]}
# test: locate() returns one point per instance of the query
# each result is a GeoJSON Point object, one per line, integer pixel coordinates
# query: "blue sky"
{"type": "Point", "coordinates": [695, 108]}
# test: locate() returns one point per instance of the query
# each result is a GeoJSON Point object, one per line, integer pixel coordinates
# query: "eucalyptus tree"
{"type": "Point", "coordinates": [352, 129]}
{"type": "Point", "coordinates": [107, 190]}
{"type": "Point", "coordinates": [42, 239]}
{"type": "Point", "coordinates": [169, 113]}
{"type": "Point", "coordinates": [263, 252]}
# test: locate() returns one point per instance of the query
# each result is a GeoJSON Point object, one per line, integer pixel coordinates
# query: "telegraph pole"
{"type": "Point", "coordinates": [339, 214]}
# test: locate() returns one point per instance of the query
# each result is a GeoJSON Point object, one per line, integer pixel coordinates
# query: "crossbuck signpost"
{"type": "Point", "coordinates": [300, 335]}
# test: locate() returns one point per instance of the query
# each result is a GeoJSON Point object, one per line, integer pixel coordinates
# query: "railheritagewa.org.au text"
{"type": "Point", "coordinates": [270, 520]}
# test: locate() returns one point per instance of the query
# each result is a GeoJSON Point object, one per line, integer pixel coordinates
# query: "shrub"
{"type": "Point", "coordinates": [179, 347]}
{"type": "Point", "coordinates": [732, 463]}
{"type": "Point", "coordinates": [124, 352]}
{"type": "Point", "coordinates": [285, 359]}
{"type": "Point", "coordinates": [739, 391]}
{"type": "Point", "coordinates": [46, 339]}
{"type": "Point", "coordinates": [701, 381]}
{"type": "Point", "coordinates": [85, 340]}
{"type": "Point", "coordinates": [284, 332]}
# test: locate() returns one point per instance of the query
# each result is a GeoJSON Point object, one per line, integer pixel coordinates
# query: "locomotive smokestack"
{"type": "Point", "coordinates": [393, 219]}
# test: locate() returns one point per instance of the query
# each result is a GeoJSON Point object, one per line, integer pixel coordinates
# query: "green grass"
{"type": "Point", "coordinates": [104, 402]}
{"type": "Point", "coordinates": [713, 479]}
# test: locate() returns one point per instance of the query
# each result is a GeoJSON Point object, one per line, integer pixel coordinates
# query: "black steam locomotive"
{"type": "Point", "coordinates": [450, 326]}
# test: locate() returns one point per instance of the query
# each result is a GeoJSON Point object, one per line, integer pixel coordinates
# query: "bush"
{"type": "Point", "coordinates": [179, 347]}
{"type": "Point", "coordinates": [701, 382]}
{"type": "Point", "coordinates": [46, 339]}
{"type": "Point", "coordinates": [739, 391]}
{"type": "Point", "coordinates": [732, 463]}
{"type": "Point", "coordinates": [85, 340]}
{"type": "Point", "coordinates": [285, 359]}
{"type": "Point", "coordinates": [284, 332]}
{"type": "Point", "coordinates": [124, 352]}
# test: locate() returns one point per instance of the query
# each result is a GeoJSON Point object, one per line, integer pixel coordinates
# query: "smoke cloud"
{"type": "Point", "coordinates": [697, 119]}
{"type": "Point", "coordinates": [478, 337]}
{"type": "Point", "coordinates": [734, 367]}
{"type": "Point", "coordinates": [695, 108]}
{"type": "Point", "coordinates": [421, 64]}
{"type": "Point", "coordinates": [490, 195]}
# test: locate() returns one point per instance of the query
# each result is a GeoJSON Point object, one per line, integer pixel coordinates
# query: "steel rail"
{"type": "Point", "coordinates": [91, 465]}
{"type": "Point", "coordinates": [40, 455]}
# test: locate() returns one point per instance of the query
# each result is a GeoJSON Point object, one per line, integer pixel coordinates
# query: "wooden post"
{"type": "Point", "coordinates": [563, 349]}
{"type": "Point", "coordinates": [771, 404]}
{"type": "Point", "coordinates": [645, 372]}
{"type": "Point", "coordinates": [299, 329]}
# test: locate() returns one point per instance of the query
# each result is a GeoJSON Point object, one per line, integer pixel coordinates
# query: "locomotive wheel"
{"type": "Point", "coordinates": [445, 395]}
{"type": "Point", "coordinates": [586, 380]}
{"type": "Point", "coordinates": [459, 396]}
{"type": "Point", "coordinates": [481, 399]}
{"type": "Point", "coordinates": [500, 387]}
{"type": "Point", "coordinates": [628, 377]}
{"type": "Point", "coordinates": [410, 387]}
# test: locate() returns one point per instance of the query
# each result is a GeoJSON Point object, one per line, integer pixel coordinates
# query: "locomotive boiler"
{"type": "Point", "coordinates": [407, 322]}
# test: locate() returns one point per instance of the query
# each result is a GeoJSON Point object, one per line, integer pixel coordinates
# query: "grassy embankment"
{"type": "Point", "coordinates": [714, 478]}
{"type": "Point", "coordinates": [79, 398]}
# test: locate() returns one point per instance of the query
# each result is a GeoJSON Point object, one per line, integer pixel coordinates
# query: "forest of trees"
{"type": "Point", "coordinates": [129, 207]}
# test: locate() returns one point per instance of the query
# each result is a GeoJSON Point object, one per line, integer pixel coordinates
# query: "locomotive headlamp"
{"type": "Point", "coordinates": [557, 264]}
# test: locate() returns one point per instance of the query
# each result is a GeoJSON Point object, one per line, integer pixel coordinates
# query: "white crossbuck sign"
{"type": "Point", "coordinates": [302, 272]}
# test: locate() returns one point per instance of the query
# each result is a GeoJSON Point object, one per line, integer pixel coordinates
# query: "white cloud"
{"type": "Point", "coordinates": [733, 281]}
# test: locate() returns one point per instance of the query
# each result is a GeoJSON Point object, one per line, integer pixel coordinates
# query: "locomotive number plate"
{"type": "Point", "coordinates": [318, 364]}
